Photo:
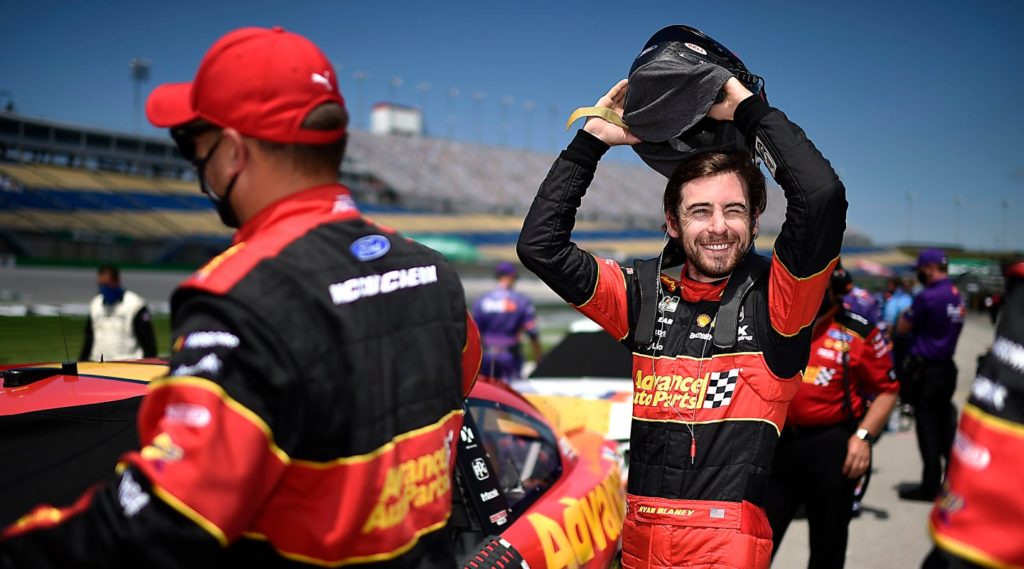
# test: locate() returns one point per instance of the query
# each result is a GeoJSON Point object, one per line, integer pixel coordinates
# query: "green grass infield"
{"type": "Point", "coordinates": [32, 339]}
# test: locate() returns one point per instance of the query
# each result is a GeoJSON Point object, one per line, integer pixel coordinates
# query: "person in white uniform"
{"type": "Point", "coordinates": [119, 325]}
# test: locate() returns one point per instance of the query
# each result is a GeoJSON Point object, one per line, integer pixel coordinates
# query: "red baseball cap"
{"type": "Point", "coordinates": [262, 83]}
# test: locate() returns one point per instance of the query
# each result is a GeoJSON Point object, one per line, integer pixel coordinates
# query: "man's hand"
{"type": "Point", "coordinates": [735, 93]}
{"type": "Point", "coordinates": [608, 133]}
{"type": "Point", "coordinates": [858, 457]}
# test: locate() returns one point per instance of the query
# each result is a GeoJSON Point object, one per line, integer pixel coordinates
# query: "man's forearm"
{"type": "Point", "coordinates": [812, 233]}
{"type": "Point", "coordinates": [878, 413]}
{"type": "Point", "coordinates": [545, 245]}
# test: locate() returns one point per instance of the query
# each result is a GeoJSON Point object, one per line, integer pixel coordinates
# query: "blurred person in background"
{"type": "Point", "coordinates": [897, 301]}
{"type": "Point", "coordinates": [993, 303]}
{"type": "Point", "coordinates": [934, 322]}
{"type": "Point", "coordinates": [119, 326]}
{"type": "Point", "coordinates": [856, 299]}
{"type": "Point", "coordinates": [844, 400]}
{"type": "Point", "coordinates": [504, 316]}
{"type": "Point", "coordinates": [316, 362]}
{"type": "Point", "coordinates": [978, 519]}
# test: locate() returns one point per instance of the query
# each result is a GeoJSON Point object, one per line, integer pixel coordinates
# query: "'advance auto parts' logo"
{"type": "Point", "coordinates": [414, 483]}
{"type": "Point", "coordinates": [712, 390]}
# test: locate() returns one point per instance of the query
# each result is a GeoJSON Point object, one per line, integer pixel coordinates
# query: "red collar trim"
{"type": "Point", "coordinates": [318, 200]}
{"type": "Point", "coordinates": [696, 291]}
{"type": "Point", "coordinates": [271, 230]}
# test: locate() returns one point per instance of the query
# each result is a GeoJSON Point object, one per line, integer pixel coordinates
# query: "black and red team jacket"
{"type": "Point", "coordinates": [734, 400]}
{"type": "Point", "coordinates": [309, 416]}
{"type": "Point", "coordinates": [979, 516]}
{"type": "Point", "coordinates": [850, 359]}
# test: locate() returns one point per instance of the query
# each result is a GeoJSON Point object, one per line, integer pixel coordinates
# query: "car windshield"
{"type": "Point", "coordinates": [523, 450]}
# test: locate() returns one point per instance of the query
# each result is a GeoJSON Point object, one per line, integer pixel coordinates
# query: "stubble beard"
{"type": "Point", "coordinates": [713, 268]}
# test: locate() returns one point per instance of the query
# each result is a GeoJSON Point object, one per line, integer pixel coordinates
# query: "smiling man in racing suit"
{"type": "Point", "coordinates": [705, 418]}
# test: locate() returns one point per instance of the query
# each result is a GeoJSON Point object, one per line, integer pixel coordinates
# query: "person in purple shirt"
{"type": "Point", "coordinates": [934, 321]}
{"type": "Point", "coordinates": [503, 316]}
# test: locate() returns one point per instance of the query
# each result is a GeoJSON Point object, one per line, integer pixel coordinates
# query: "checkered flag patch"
{"type": "Point", "coordinates": [824, 377]}
{"type": "Point", "coordinates": [721, 385]}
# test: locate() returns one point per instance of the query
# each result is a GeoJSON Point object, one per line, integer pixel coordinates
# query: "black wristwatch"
{"type": "Point", "coordinates": [865, 436]}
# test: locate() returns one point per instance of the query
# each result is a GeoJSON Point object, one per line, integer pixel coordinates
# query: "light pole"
{"type": "Point", "coordinates": [528, 108]}
{"type": "Point", "coordinates": [140, 74]}
{"type": "Point", "coordinates": [911, 196]}
{"type": "Point", "coordinates": [1005, 204]}
{"type": "Point", "coordinates": [506, 103]}
{"type": "Point", "coordinates": [360, 79]}
{"type": "Point", "coordinates": [394, 84]}
{"type": "Point", "coordinates": [553, 126]}
{"type": "Point", "coordinates": [958, 201]}
{"type": "Point", "coordinates": [478, 98]}
{"type": "Point", "coordinates": [423, 92]}
{"type": "Point", "coordinates": [453, 96]}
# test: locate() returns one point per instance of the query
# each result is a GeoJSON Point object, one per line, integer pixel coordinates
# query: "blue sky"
{"type": "Point", "coordinates": [902, 97]}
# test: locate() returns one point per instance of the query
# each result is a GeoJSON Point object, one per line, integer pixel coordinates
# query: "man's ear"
{"type": "Point", "coordinates": [238, 152]}
{"type": "Point", "coordinates": [755, 226]}
{"type": "Point", "coordinates": [672, 226]}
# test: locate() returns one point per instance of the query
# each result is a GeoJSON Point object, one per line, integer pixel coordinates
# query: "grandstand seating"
{"type": "Point", "coordinates": [473, 177]}
{"type": "Point", "coordinates": [474, 192]}
{"type": "Point", "coordinates": [51, 198]}
{"type": "Point", "coordinates": [461, 179]}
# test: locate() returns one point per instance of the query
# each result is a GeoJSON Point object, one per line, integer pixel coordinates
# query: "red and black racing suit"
{"type": "Point", "coordinates": [978, 519]}
{"type": "Point", "coordinates": [707, 513]}
{"type": "Point", "coordinates": [309, 416]}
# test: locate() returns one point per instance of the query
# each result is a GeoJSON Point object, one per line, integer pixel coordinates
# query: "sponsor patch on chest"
{"type": "Point", "coordinates": [712, 390]}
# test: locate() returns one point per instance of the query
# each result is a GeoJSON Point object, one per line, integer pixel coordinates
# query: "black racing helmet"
{"type": "Point", "coordinates": [673, 83]}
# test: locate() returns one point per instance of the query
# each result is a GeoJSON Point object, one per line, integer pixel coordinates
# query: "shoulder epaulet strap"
{"type": "Point", "coordinates": [749, 270]}
{"type": "Point", "coordinates": [648, 283]}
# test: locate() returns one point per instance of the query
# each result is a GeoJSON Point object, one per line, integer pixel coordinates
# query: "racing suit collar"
{"type": "Point", "coordinates": [696, 291]}
{"type": "Point", "coordinates": [326, 199]}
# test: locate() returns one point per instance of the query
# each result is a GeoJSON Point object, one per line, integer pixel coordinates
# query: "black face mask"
{"type": "Point", "coordinates": [222, 204]}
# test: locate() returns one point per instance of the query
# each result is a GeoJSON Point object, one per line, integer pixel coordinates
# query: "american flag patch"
{"type": "Point", "coordinates": [718, 513]}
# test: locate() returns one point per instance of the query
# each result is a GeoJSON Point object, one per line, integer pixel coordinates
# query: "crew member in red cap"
{"type": "Point", "coordinates": [934, 321]}
{"type": "Point", "coordinates": [287, 432]}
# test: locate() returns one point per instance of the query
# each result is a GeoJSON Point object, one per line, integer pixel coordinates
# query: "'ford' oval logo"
{"type": "Point", "coordinates": [370, 247]}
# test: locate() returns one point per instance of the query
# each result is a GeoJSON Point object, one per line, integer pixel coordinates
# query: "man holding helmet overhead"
{"type": "Point", "coordinates": [718, 351]}
{"type": "Point", "coordinates": [277, 436]}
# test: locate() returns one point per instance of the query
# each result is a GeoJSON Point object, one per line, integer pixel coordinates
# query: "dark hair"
{"type": "Point", "coordinates": [111, 270]}
{"type": "Point", "coordinates": [315, 158]}
{"type": "Point", "coordinates": [711, 164]}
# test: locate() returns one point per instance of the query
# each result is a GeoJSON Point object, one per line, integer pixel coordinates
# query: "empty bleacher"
{"type": "Point", "coordinates": [469, 177]}
{"type": "Point", "coordinates": [478, 194]}
{"type": "Point", "coordinates": [50, 198]}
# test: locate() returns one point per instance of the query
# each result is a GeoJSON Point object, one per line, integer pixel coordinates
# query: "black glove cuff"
{"type": "Point", "coordinates": [749, 112]}
{"type": "Point", "coordinates": [585, 150]}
